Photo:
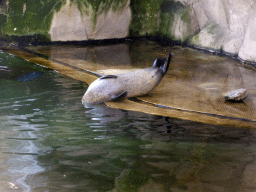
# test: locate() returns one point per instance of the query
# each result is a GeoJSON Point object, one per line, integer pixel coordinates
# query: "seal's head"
{"type": "Point", "coordinates": [159, 62]}
{"type": "Point", "coordinates": [163, 63]}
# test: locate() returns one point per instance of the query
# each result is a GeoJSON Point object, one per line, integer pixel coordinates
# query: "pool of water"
{"type": "Point", "coordinates": [51, 142]}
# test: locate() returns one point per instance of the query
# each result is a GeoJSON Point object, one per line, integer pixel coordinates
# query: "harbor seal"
{"type": "Point", "coordinates": [132, 84]}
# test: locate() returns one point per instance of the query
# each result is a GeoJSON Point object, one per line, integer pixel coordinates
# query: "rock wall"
{"type": "Point", "coordinates": [74, 24]}
{"type": "Point", "coordinates": [226, 25]}
{"type": "Point", "coordinates": [66, 20]}
{"type": "Point", "coordinates": [220, 25]}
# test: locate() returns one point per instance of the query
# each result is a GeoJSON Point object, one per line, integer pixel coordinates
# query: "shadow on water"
{"type": "Point", "coordinates": [11, 69]}
{"type": "Point", "coordinates": [51, 142]}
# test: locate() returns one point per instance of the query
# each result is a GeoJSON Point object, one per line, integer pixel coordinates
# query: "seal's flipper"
{"type": "Point", "coordinates": [108, 77]}
{"type": "Point", "coordinates": [118, 97]}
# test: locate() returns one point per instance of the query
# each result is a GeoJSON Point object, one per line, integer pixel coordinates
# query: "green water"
{"type": "Point", "coordinates": [49, 141]}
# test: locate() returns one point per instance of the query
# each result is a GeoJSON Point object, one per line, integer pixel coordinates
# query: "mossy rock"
{"type": "Point", "coordinates": [145, 17]}
{"type": "Point", "coordinates": [32, 19]}
{"type": "Point", "coordinates": [212, 36]}
{"type": "Point", "coordinates": [28, 17]}
{"type": "Point", "coordinates": [176, 22]}
{"type": "Point", "coordinates": [98, 7]}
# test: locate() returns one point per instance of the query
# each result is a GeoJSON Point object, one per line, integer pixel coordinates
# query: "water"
{"type": "Point", "coordinates": [51, 142]}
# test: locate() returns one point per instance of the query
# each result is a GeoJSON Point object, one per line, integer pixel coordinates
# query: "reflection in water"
{"type": "Point", "coordinates": [51, 142]}
{"type": "Point", "coordinates": [23, 161]}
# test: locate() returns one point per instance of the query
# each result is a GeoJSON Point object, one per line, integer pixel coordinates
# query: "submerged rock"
{"type": "Point", "coordinates": [236, 95]}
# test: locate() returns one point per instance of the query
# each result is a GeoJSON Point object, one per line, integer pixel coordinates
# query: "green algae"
{"type": "Point", "coordinates": [172, 7]}
{"type": "Point", "coordinates": [149, 17]}
{"type": "Point", "coordinates": [33, 18]}
{"type": "Point", "coordinates": [3, 20]}
{"type": "Point", "coordinates": [98, 7]}
{"type": "Point", "coordinates": [101, 6]}
{"type": "Point", "coordinates": [213, 28]}
{"type": "Point", "coordinates": [167, 22]}
{"type": "Point", "coordinates": [26, 17]}
{"type": "Point", "coordinates": [196, 39]}
{"type": "Point", "coordinates": [145, 17]}
{"type": "Point", "coordinates": [185, 17]}
{"type": "Point", "coordinates": [28, 21]}
{"type": "Point", "coordinates": [212, 36]}
{"type": "Point", "coordinates": [170, 11]}
{"type": "Point", "coordinates": [173, 16]}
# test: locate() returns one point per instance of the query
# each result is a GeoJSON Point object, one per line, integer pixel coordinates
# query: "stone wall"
{"type": "Point", "coordinates": [226, 26]}
{"type": "Point", "coordinates": [65, 20]}
{"type": "Point", "coordinates": [219, 25]}
{"type": "Point", "coordinates": [77, 23]}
